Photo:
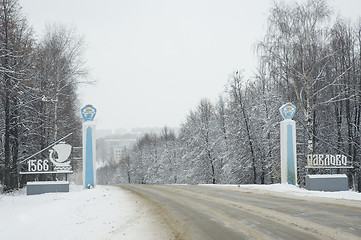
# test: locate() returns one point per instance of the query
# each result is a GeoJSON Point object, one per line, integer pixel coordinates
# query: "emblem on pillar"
{"type": "Point", "coordinates": [288, 111]}
{"type": "Point", "coordinates": [88, 112]}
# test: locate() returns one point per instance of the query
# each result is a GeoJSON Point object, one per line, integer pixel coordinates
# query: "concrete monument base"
{"type": "Point", "coordinates": [33, 188]}
{"type": "Point", "coordinates": [327, 182]}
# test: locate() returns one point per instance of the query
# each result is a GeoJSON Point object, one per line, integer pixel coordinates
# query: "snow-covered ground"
{"type": "Point", "coordinates": [108, 212]}
{"type": "Point", "coordinates": [105, 212]}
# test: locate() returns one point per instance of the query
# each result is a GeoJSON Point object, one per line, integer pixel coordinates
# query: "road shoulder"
{"type": "Point", "coordinates": [165, 226]}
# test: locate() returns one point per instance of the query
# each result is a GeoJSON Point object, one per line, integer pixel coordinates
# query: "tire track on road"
{"type": "Point", "coordinates": [317, 230]}
{"type": "Point", "coordinates": [210, 224]}
{"type": "Point", "coordinates": [258, 223]}
{"type": "Point", "coordinates": [314, 210]}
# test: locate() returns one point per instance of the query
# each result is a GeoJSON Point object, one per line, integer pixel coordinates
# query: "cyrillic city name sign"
{"type": "Point", "coordinates": [327, 161]}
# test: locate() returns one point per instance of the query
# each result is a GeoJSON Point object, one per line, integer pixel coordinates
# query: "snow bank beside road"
{"type": "Point", "coordinates": [105, 212]}
{"type": "Point", "coordinates": [293, 191]}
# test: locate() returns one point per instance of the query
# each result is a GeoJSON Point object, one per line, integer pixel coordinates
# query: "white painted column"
{"type": "Point", "coordinates": [288, 145]}
{"type": "Point", "coordinates": [288, 152]}
{"type": "Point", "coordinates": [89, 154]}
{"type": "Point", "coordinates": [89, 146]}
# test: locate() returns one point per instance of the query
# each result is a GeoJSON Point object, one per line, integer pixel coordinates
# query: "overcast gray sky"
{"type": "Point", "coordinates": [154, 60]}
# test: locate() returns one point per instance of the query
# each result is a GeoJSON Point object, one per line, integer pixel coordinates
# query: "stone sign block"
{"type": "Point", "coordinates": [46, 187]}
{"type": "Point", "coordinates": [327, 182]}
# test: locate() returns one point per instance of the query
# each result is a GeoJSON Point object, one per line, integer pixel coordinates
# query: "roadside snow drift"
{"type": "Point", "coordinates": [105, 212]}
{"type": "Point", "coordinates": [291, 191]}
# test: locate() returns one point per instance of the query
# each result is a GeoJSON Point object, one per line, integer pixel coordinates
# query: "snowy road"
{"type": "Point", "coordinates": [204, 212]}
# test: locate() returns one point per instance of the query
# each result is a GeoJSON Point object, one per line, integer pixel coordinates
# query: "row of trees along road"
{"type": "Point", "coordinates": [38, 81]}
{"type": "Point", "coordinates": [307, 57]}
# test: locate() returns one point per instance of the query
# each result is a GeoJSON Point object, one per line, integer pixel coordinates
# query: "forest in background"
{"type": "Point", "coordinates": [307, 57]}
{"type": "Point", "coordinates": [38, 82]}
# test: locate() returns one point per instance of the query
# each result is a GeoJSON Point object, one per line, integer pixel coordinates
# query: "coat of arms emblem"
{"type": "Point", "coordinates": [88, 112]}
{"type": "Point", "coordinates": [288, 111]}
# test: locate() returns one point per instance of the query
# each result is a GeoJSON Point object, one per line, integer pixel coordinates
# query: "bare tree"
{"type": "Point", "coordinates": [242, 124]}
{"type": "Point", "coordinates": [15, 51]}
{"type": "Point", "coordinates": [61, 68]}
{"type": "Point", "coordinates": [296, 51]}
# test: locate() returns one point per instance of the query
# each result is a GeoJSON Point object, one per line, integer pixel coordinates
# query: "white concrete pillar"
{"type": "Point", "coordinates": [288, 145]}
{"type": "Point", "coordinates": [89, 147]}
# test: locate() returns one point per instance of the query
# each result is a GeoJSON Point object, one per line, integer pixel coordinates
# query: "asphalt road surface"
{"type": "Point", "coordinates": [203, 212]}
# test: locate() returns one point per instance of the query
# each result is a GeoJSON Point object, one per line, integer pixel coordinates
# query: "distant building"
{"type": "Point", "coordinates": [109, 149]}
{"type": "Point", "coordinates": [110, 144]}
{"type": "Point", "coordinates": [117, 154]}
